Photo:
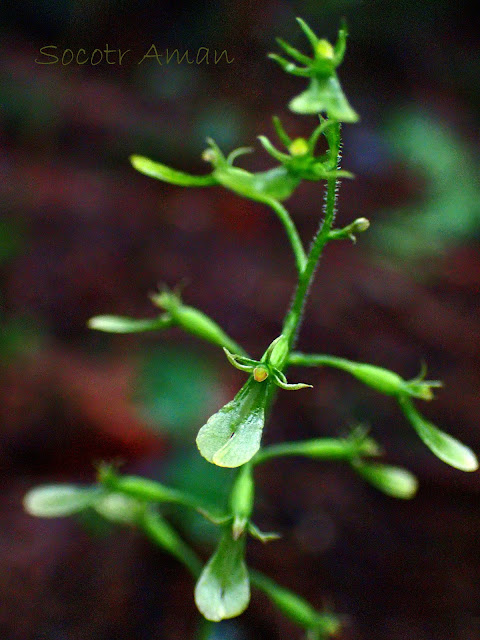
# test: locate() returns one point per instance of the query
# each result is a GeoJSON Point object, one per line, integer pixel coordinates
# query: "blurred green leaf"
{"type": "Point", "coordinates": [177, 389]}
{"type": "Point", "coordinates": [450, 210]}
{"type": "Point", "coordinates": [189, 472]}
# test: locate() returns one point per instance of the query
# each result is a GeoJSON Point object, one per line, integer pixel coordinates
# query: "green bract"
{"type": "Point", "coordinates": [223, 589]}
{"type": "Point", "coordinates": [324, 93]}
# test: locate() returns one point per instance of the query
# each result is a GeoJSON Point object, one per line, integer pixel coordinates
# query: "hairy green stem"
{"type": "Point", "coordinates": [294, 316]}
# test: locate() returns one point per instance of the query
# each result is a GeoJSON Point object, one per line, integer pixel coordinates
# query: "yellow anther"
{"type": "Point", "coordinates": [299, 147]}
{"type": "Point", "coordinates": [260, 373]}
{"type": "Point", "coordinates": [324, 49]}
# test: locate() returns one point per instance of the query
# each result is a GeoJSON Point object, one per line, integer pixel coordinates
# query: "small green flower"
{"type": "Point", "coordinates": [277, 183]}
{"type": "Point", "coordinates": [231, 437]}
{"type": "Point", "coordinates": [324, 93]}
{"type": "Point", "coordinates": [301, 161]}
{"type": "Point", "coordinates": [270, 365]}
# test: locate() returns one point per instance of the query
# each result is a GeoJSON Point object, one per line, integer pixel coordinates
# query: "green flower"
{"type": "Point", "coordinates": [324, 93]}
{"type": "Point", "coordinates": [231, 437]}
{"type": "Point", "coordinates": [301, 160]}
{"type": "Point", "coordinates": [278, 183]}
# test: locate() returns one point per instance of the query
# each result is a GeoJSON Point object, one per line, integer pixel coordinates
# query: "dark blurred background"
{"type": "Point", "coordinates": [82, 234]}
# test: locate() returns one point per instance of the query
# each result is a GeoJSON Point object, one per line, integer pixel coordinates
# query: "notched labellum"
{"type": "Point", "coordinates": [223, 589]}
{"type": "Point", "coordinates": [231, 437]}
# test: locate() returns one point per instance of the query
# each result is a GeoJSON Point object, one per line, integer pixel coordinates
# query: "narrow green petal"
{"type": "Point", "coordinates": [294, 53]}
{"type": "Point", "coordinates": [223, 589]}
{"type": "Point", "coordinates": [312, 38]}
{"type": "Point", "coordinates": [122, 324]}
{"type": "Point", "coordinates": [162, 172]}
{"type": "Point", "coordinates": [281, 133]}
{"type": "Point", "coordinates": [441, 444]}
{"type": "Point", "coordinates": [295, 386]}
{"type": "Point", "coordinates": [275, 153]}
{"type": "Point", "coordinates": [241, 151]}
{"type": "Point", "coordinates": [58, 500]}
{"type": "Point", "coordinates": [289, 67]}
{"type": "Point", "coordinates": [232, 436]}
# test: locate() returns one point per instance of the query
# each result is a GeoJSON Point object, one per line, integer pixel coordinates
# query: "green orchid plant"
{"type": "Point", "coordinates": [232, 437]}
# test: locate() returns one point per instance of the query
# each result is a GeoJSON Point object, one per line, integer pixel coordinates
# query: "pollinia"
{"type": "Point", "coordinates": [232, 437]}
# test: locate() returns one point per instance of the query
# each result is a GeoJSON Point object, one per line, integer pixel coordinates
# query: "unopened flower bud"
{"type": "Point", "coordinates": [277, 352]}
{"type": "Point", "coordinates": [394, 481]}
{"type": "Point", "coordinates": [119, 508]}
{"type": "Point", "coordinates": [192, 320]}
{"type": "Point", "coordinates": [208, 155]}
{"type": "Point", "coordinates": [359, 225]}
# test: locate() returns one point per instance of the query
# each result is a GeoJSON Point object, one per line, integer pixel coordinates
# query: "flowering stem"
{"type": "Point", "coordinates": [294, 316]}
